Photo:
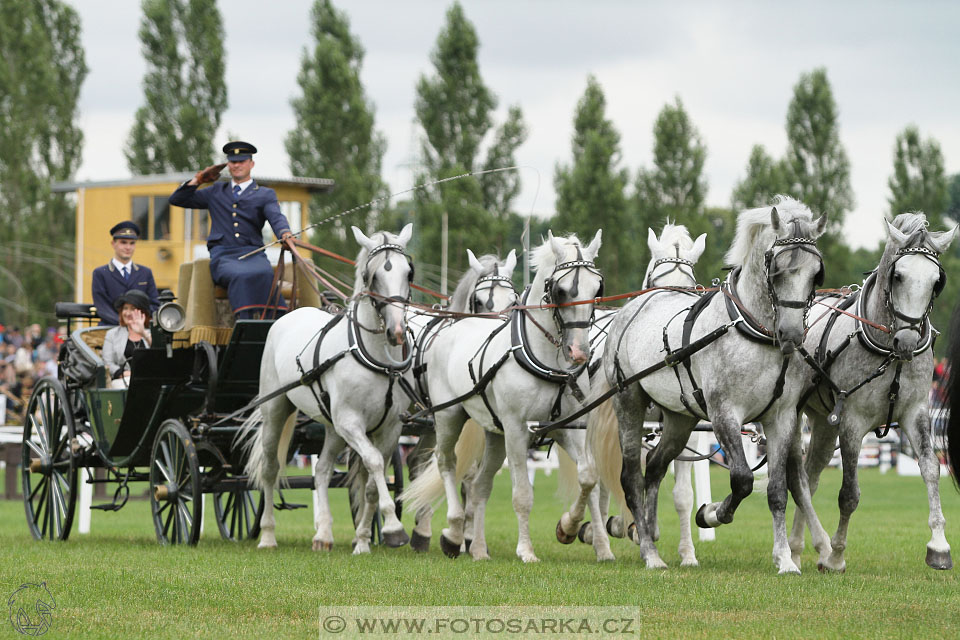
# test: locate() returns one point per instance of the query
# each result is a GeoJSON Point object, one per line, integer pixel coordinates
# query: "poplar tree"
{"type": "Point", "coordinates": [455, 110]}
{"type": "Point", "coordinates": [40, 80]}
{"type": "Point", "coordinates": [817, 168]}
{"type": "Point", "coordinates": [335, 136]}
{"type": "Point", "coordinates": [765, 179]}
{"type": "Point", "coordinates": [184, 90]}
{"type": "Point", "coordinates": [918, 182]}
{"type": "Point", "coordinates": [590, 193]}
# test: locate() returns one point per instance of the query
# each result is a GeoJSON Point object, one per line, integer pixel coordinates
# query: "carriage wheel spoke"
{"type": "Point", "coordinates": [164, 467]}
{"type": "Point", "coordinates": [33, 447]}
{"type": "Point", "coordinates": [166, 524]}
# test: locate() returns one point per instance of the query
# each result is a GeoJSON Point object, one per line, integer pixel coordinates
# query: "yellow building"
{"type": "Point", "coordinates": [169, 235]}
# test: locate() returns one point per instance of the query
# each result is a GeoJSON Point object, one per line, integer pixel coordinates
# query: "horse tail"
{"type": "Point", "coordinates": [428, 486]}
{"type": "Point", "coordinates": [251, 435]}
{"type": "Point", "coordinates": [952, 432]}
{"type": "Point", "coordinates": [604, 440]}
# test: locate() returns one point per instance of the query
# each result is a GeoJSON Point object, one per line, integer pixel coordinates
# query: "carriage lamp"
{"type": "Point", "coordinates": [171, 317]}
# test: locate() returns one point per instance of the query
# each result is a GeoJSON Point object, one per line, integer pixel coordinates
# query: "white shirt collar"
{"type": "Point", "coordinates": [243, 185]}
{"type": "Point", "coordinates": [119, 265]}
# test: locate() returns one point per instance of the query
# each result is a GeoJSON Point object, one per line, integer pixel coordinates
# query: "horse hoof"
{"type": "Point", "coordinates": [450, 549]}
{"type": "Point", "coordinates": [394, 539]}
{"type": "Point", "coordinates": [701, 519]}
{"type": "Point", "coordinates": [632, 533]}
{"type": "Point", "coordinates": [419, 543]}
{"type": "Point", "coordinates": [585, 535]}
{"type": "Point", "coordinates": [939, 559]}
{"type": "Point", "coordinates": [615, 526]}
{"type": "Point", "coordinates": [563, 537]}
{"type": "Point", "coordinates": [322, 545]}
{"type": "Point", "coordinates": [466, 544]}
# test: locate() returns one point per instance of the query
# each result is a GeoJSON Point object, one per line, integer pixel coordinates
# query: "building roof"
{"type": "Point", "coordinates": [313, 185]}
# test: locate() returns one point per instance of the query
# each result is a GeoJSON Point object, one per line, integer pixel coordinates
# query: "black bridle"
{"type": "Point", "coordinates": [918, 324]}
{"type": "Point", "coordinates": [551, 291]}
{"type": "Point", "coordinates": [678, 264]}
{"type": "Point", "coordinates": [792, 244]}
{"type": "Point", "coordinates": [495, 280]}
{"type": "Point", "coordinates": [380, 302]}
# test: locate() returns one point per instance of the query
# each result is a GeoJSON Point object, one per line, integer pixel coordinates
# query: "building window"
{"type": "Point", "coordinates": [152, 215]}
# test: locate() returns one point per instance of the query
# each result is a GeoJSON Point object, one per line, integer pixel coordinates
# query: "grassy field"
{"type": "Point", "coordinates": [117, 582]}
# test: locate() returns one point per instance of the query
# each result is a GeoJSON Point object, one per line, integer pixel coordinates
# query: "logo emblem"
{"type": "Point", "coordinates": [30, 607]}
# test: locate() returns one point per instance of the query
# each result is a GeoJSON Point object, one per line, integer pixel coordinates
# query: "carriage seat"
{"type": "Point", "coordinates": [208, 313]}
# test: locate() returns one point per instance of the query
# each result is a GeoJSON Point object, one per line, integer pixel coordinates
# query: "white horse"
{"type": "Point", "coordinates": [527, 370]}
{"type": "Point", "coordinates": [361, 349]}
{"type": "Point", "coordinates": [672, 259]}
{"type": "Point", "coordinates": [486, 287]}
{"type": "Point", "coordinates": [868, 365]}
{"type": "Point", "coordinates": [746, 372]}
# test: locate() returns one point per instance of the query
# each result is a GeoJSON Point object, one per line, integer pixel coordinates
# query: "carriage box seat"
{"type": "Point", "coordinates": [208, 314]}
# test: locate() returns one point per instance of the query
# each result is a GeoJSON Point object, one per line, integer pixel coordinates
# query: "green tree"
{"type": "Point", "coordinates": [590, 193]}
{"type": "Point", "coordinates": [455, 109]}
{"type": "Point", "coordinates": [40, 79]}
{"type": "Point", "coordinates": [184, 89]}
{"type": "Point", "coordinates": [953, 198]}
{"type": "Point", "coordinates": [817, 168]}
{"type": "Point", "coordinates": [918, 182]}
{"type": "Point", "coordinates": [334, 135]}
{"type": "Point", "coordinates": [765, 179]}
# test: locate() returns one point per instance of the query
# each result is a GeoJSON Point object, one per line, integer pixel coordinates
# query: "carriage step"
{"type": "Point", "coordinates": [110, 506]}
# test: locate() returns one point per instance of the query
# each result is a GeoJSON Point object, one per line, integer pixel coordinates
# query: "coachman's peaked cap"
{"type": "Point", "coordinates": [237, 151]}
{"type": "Point", "coordinates": [126, 229]}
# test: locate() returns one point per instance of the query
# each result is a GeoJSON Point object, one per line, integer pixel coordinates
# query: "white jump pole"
{"type": "Point", "coordinates": [86, 501]}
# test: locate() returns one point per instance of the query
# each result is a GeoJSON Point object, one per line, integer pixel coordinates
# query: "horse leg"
{"type": "Point", "coordinates": [419, 456]}
{"type": "Point", "coordinates": [683, 503]}
{"type": "Point", "coordinates": [631, 407]}
{"type": "Point", "coordinates": [333, 444]}
{"type": "Point", "coordinates": [917, 427]}
{"type": "Point", "coordinates": [449, 425]}
{"type": "Point", "coordinates": [466, 493]}
{"type": "Point", "coordinates": [517, 442]}
{"type": "Point", "coordinates": [779, 432]}
{"type": "Point", "coordinates": [493, 455]}
{"type": "Point", "coordinates": [676, 432]}
{"type": "Point", "coordinates": [851, 439]}
{"type": "Point", "coordinates": [575, 445]}
{"type": "Point", "coordinates": [354, 432]}
{"type": "Point", "coordinates": [278, 416]}
{"type": "Point", "coordinates": [364, 533]}
{"type": "Point", "coordinates": [823, 442]}
{"type": "Point", "coordinates": [726, 427]}
{"type": "Point", "coordinates": [799, 487]}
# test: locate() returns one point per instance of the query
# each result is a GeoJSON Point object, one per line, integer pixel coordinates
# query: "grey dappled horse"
{"type": "Point", "coordinates": [899, 295]}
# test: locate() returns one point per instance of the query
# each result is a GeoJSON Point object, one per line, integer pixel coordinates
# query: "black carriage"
{"type": "Point", "coordinates": [176, 427]}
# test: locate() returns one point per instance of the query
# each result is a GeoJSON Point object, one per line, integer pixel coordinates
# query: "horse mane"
{"type": "Point", "coordinates": [752, 223]}
{"type": "Point", "coordinates": [676, 234]}
{"type": "Point", "coordinates": [542, 258]}
{"type": "Point", "coordinates": [460, 300]}
{"type": "Point", "coordinates": [380, 237]}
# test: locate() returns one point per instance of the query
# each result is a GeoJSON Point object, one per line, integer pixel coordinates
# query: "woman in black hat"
{"type": "Point", "coordinates": [133, 309]}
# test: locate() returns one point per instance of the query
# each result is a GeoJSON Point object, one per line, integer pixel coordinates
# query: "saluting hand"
{"type": "Point", "coordinates": [210, 174]}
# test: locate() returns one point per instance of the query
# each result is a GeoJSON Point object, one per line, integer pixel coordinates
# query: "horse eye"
{"type": "Point", "coordinates": [897, 276]}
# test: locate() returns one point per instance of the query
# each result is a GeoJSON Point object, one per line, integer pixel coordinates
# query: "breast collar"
{"type": "Point", "coordinates": [745, 324]}
{"type": "Point", "coordinates": [358, 349]}
{"type": "Point", "coordinates": [529, 362]}
{"type": "Point", "coordinates": [872, 345]}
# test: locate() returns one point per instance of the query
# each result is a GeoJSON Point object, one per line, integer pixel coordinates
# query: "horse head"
{"type": "Point", "coordinates": [489, 283]}
{"type": "Point", "coordinates": [910, 277]}
{"type": "Point", "coordinates": [781, 266]}
{"type": "Point", "coordinates": [573, 278]}
{"type": "Point", "coordinates": [672, 257]}
{"type": "Point", "coordinates": [384, 274]}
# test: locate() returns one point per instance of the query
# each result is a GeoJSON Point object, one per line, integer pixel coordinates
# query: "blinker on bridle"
{"type": "Point", "coordinates": [380, 302]}
{"type": "Point", "coordinates": [495, 280]}
{"type": "Point", "coordinates": [913, 323]}
{"type": "Point", "coordinates": [795, 243]}
{"type": "Point", "coordinates": [553, 280]}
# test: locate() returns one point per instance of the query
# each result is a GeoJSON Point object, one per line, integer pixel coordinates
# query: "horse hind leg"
{"type": "Point", "coordinates": [421, 455]}
{"type": "Point", "coordinates": [917, 428]}
{"type": "Point", "coordinates": [364, 533]}
{"type": "Point", "coordinates": [279, 417]}
{"type": "Point", "coordinates": [800, 488]}
{"type": "Point", "coordinates": [493, 456]}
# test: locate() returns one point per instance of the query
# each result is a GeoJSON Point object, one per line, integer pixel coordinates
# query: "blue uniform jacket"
{"type": "Point", "coordinates": [108, 285]}
{"type": "Point", "coordinates": [234, 224]}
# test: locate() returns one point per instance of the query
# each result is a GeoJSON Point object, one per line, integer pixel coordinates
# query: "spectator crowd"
{"type": "Point", "coordinates": [25, 356]}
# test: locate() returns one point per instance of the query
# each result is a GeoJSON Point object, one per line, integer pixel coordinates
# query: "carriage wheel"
{"type": "Point", "coordinates": [176, 499]}
{"type": "Point", "coordinates": [49, 469]}
{"type": "Point", "coordinates": [238, 513]}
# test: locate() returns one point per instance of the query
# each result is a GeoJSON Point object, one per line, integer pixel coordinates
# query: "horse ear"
{"type": "Point", "coordinates": [556, 245]}
{"type": "Point", "coordinates": [775, 219]}
{"type": "Point", "coordinates": [594, 248]}
{"type": "Point", "coordinates": [405, 234]}
{"type": "Point", "coordinates": [474, 263]}
{"type": "Point", "coordinates": [898, 237]}
{"type": "Point", "coordinates": [941, 239]}
{"type": "Point", "coordinates": [511, 262]}
{"type": "Point", "coordinates": [821, 224]}
{"type": "Point", "coordinates": [652, 241]}
{"type": "Point", "coordinates": [698, 247]}
{"type": "Point", "coordinates": [362, 239]}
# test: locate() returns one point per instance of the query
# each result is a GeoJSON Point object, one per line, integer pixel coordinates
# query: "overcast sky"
{"type": "Point", "coordinates": [734, 65]}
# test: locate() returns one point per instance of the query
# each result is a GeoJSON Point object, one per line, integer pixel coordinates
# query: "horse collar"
{"type": "Point", "coordinates": [356, 346]}
{"type": "Point", "coordinates": [745, 323]}
{"type": "Point", "coordinates": [528, 361]}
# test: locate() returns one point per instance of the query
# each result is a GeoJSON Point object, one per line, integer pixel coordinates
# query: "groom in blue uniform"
{"type": "Point", "coordinates": [121, 274]}
{"type": "Point", "coordinates": [238, 210]}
